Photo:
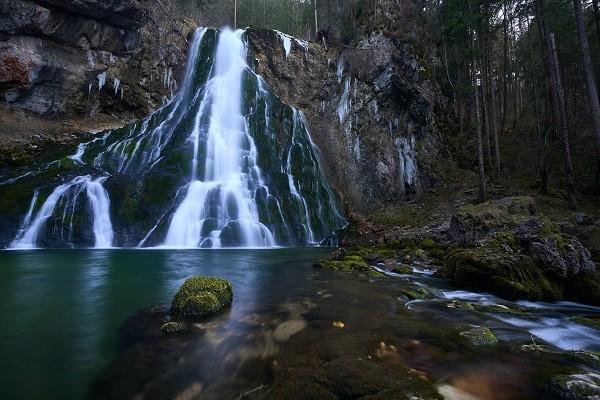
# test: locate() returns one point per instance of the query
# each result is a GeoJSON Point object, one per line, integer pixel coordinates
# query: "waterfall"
{"type": "Point", "coordinates": [68, 193]}
{"type": "Point", "coordinates": [98, 198]}
{"type": "Point", "coordinates": [221, 203]}
{"type": "Point", "coordinates": [223, 163]}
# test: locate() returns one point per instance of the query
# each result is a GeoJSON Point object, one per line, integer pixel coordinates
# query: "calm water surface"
{"type": "Point", "coordinates": [61, 311]}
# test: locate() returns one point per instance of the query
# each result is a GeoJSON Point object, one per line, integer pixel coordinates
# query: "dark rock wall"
{"type": "Point", "coordinates": [54, 56]}
{"type": "Point", "coordinates": [371, 111]}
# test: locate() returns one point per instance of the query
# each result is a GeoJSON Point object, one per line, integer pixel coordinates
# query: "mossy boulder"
{"type": "Point", "coordinates": [479, 336]}
{"type": "Point", "coordinates": [417, 293]}
{"type": "Point", "coordinates": [201, 297]}
{"type": "Point", "coordinates": [495, 267]}
{"type": "Point", "coordinates": [403, 269]}
{"type": "Point", "coordinates": [347, 264]}
{"type": "Point", "coordinates": [173, 328]}
{"type": "Point", "coordinates": [474, 222]}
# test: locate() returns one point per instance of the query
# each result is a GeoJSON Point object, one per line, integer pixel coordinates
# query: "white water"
{"type": "Point", "coordinates": [222, 199]}
{"type": "Point", "coordinates": [98, 198]}
{"type": "Point", "coordinates": [32, 226]}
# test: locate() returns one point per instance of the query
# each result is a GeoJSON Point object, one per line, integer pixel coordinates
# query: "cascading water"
{"type": "Point", "coordinates": [224, 163]}
{"type": "Point", "coordinates": [221, 203]}
{"type": "Point", "coordinates": [65, 196]}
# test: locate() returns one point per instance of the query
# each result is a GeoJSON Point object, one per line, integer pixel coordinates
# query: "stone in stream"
{"type": "Point", "coordinates": [480, 336]}
{"type": "Point", "coordinates": [583, 386]}
{"type": "Point", "coordinates": [201, 297]}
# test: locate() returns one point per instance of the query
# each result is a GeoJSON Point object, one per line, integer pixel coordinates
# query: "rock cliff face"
{"type": "Point", "coordinates": [370, 107]}
{"type": "Point", "coordinates": [83, 65]}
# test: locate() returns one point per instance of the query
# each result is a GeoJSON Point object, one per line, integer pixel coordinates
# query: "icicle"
{"type": "Point", "coordinates": [340, 69]}
{"type": "Point", "coordinates": [101, 80]}
{"type": "Point", "coordinates": [116, 84]}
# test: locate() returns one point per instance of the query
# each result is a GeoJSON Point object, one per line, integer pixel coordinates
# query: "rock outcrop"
{"type": "Point", "coordinates": [371, 108]}
{"type": "Point", "coordinates": [67, 67]}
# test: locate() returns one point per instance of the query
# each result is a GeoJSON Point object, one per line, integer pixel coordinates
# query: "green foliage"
{"type": "Point", "coordinates": [201, 296]}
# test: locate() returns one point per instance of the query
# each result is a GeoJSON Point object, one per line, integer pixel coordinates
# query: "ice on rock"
{"type": "Point", "coordinates": [101, 80]}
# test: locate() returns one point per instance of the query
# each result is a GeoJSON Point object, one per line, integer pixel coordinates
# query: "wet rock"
{"type": "Point", "coordinates": [493, 266]}
{"type": "Point", "coordinates": [287, 329]}
{"type": "Point", "coordinates": [172, 327]}
{"type": "Point", "coordinates": [201, 297]}
{"type": "Point", "coordinates": [347, 264]}
{"type": "Point", "coordinates": [499, 309]}
{"type": "Point", "coordinates": [583, 386]}
{"type": "Point", "coordinates": [588, 358]}
{"type": "Point", "coordinates": [480, 336]}
{"type": "Point", "coordinates": [418, 293]}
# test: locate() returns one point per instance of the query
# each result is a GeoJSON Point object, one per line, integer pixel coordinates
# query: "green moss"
{"type": "Point", "coordinates": [480, 336]}
{"type": "Point", "coordinates": [197, 306]}
{"type": "Point", "coordinates": [428, 244]}
{"type": "Point", "coordinates": [402, 269]}
{"type": "Point", "coordinates": [416, 294]}
{"type": "Point", "coordinates": [498, 309]}
{"type": "Point", "coordinates": [172, 328]}
{"type": "Point", "coordinates": [345, 265]}
{"type": "Point", "coordinates": [494, 268]}
{"type": "Point", "coordinates": [201, 296]}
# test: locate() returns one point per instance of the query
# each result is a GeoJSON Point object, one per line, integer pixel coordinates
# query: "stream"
{"type": "Point", "coordinates": [63, 312]}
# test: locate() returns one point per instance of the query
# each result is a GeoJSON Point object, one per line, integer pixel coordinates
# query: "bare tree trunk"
{"type": "Point", "coordinates": [540, 131]}
{"type": "Point", "coordinates": [504, 67]}
{"type": "Point", "coordinates": [482, 189]}
{"type": "Point", "coordinates": [486, 117]}
{"type": "Point", "coordinates": [590, 82]}
{"type": "Point", "coordinates": [564, 126]}
{"type": "Point", "coordinates": [558, 99]}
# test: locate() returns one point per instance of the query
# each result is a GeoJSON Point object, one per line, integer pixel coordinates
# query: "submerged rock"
{"type": "Point", "coordinates": [201, 297]}
{"type": "Point", "coordinates": [480, 336]}
{"type": "Point", "coordinates": [172, 328]}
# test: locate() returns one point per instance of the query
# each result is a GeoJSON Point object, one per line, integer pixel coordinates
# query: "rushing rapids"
{"type": "Point", "coordinates": [224, 163]}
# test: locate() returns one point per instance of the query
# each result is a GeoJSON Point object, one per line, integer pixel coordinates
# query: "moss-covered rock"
{"type": "Point", "coordinates": [499, 309]}
{"type": "Point", "coordinates": [474, 222]}
{"type": "Point", "coordinates": [173, 328]}
{"type": "Point", "coordinates": [403, 269]}
{"type": "Point", "coordinates": [479, 336]}
{"type": "Point", "coordinates": [200, 297]}
{"type": "Point", "coordinates": [418, 293]}
{"type": "Point", "coordinates": [494, 267]}
{"type": "Point", "coordinates": [348, 263]}
{"type": "Point", "coordinates": [583, 386]}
